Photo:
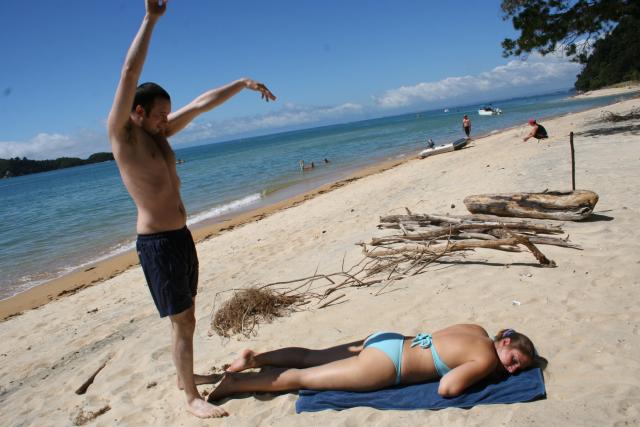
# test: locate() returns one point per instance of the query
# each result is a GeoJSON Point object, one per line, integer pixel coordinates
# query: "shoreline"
{"type": "Point", "coordinates": [74, 281]}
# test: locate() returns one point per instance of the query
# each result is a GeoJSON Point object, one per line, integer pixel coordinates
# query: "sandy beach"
{"type": "Point", "coordinates": [620, 89]}
{"type": "Point", "coordinates": [583, 315]}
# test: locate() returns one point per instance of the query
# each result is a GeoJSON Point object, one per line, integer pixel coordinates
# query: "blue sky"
{"type": "Point", "coordinates": [326, 61]}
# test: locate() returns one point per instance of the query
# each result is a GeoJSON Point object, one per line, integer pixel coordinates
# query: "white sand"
{"type": "Point", "coordinates": [583, 315]}
{"type": "Point", "coordinates": [618, 90]}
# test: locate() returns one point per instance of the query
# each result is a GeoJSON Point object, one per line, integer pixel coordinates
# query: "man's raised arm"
{"type": "Point", "coordinates": [210, 100]}
{"type": "Point", "coordinates": [132, 68]}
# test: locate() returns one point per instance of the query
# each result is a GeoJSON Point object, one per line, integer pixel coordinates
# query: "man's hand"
{"type": "Point", "coordinates": [264, 92]}
{"type": "Point", "coordinates": [156, 8]}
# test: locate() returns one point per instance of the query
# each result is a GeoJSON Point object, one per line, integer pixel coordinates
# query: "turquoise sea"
{"type": "Point", "coordinates": [55, 222]}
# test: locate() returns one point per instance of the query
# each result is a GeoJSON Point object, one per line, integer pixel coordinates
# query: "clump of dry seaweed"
{"type": "Point", "coordinates": [248, 307]}
{"type": "Point", "coordinates": [84, 417]}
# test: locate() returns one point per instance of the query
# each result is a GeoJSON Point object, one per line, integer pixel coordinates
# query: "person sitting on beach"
{"type": "Point", "coordinates": [458, 355]}
{"type": "Point", "coordinates": [538, 131]}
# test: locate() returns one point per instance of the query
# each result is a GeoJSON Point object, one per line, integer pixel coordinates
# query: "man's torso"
{"type": "Point", "coordinates": [148, 169]}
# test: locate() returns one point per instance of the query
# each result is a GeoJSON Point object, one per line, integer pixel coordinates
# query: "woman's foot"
{"type": "Point", "coordinates": [202, 379]}
{"type": "Point", "coordinates": [202, 409]}
{"type": "Point", "coordinates": [245, 361]}
{"type": "Point", "coordinates": [223, 389]}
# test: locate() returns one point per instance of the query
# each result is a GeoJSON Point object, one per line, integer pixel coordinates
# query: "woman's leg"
{"type": "Point", "coordinates": [294, 357]}
{"type": "Point", "coordinates": [372, 369]}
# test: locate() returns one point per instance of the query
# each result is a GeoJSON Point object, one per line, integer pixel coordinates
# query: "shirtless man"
{"type": "Point", "coordinates": [466, 125]}
{"type": "Point", "coordinates": [139, 124]}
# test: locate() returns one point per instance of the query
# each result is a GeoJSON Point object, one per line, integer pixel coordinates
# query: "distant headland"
{"type": "Point", "coordinates": [23, 166]}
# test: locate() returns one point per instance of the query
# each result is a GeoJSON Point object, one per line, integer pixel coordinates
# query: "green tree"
{"type": "Point", "coordinates": [615, 58]}
{"type": "Point", "coordinates": [601, 34]}
{"type": "Point", "coordinates": [99, 157]}
{"type": "Point", "coordinates": [573, 24]}
{"type": "Point", "coordinates": [16, 166]}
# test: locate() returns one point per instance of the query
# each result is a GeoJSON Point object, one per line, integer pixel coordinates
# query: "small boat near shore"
{"type": "Point", "coordinates": [489, 111]}
{"type": "Point", "coordinates": [444, 148]}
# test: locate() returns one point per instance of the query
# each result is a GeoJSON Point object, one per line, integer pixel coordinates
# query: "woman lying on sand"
{"type": "Point", "coordinates": [465, 355]}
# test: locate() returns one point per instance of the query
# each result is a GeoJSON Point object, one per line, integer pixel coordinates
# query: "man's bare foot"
{"type": "Point", "coordinates": [245, 361]}
{"type": "Point", "coordinates": [202, 379]}
{"type": "Point", "coordinates": [202, 409]}
{"type": "Point", "coordinates": [223, 389]}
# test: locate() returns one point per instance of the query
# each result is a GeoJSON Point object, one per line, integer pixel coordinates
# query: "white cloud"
{"type": "Point", "coordinates": [51, 146]}
{"type": "Point", "coordinates": [289, 116]}
{"type": "Point", "coordinates": [538, 72]}
{"type": "Point", "coordinates": [536, 75]}
{"type": "Point", "coordinates": [86, 142]}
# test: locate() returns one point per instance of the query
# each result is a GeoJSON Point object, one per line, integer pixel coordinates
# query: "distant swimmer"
{"type": "Point", "coordinates": [304, 167]}
{"type": "Point", "coordinates": [326, 160]}
{"type": "Point", "coordinates": [538, 131]}
{"type": "Point", "coordinates": [430, 143]}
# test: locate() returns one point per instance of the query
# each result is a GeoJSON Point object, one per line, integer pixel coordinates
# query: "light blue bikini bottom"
{"type": "Point", "coordinates": [391, 344]}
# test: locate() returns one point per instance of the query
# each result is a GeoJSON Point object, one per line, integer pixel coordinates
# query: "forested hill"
{"type": "Point", "coordinates": [615, 58]}
{"type": "Point", "coordinates": [23, 166]}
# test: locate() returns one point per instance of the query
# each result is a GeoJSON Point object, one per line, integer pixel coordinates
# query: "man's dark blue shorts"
{"type": "Point", "coordinates": [170, 264]}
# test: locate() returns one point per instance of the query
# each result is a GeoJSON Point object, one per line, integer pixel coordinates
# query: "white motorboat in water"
{"type": "Point", "coordinates": [444, 148]}
{"type": "Point", "coordinates": [489, 111]}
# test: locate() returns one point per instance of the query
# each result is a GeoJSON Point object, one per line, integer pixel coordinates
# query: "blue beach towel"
{"type": "Point", "coordinates": [524, 387]}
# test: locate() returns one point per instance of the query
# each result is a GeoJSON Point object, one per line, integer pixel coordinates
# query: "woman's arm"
{"type": "Point", "coordinates": [532, 133]}
{"type": "Point", "coordinates": [465, 375]}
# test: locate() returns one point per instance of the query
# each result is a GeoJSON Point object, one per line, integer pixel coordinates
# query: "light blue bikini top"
{"type": "Point", "coordinates": [425, 341]}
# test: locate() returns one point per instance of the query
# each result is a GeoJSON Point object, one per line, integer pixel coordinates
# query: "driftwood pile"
{"type": "Point", "coordinates": [423, 239]}
{"type": "Point", "coordinates": [426, 238]}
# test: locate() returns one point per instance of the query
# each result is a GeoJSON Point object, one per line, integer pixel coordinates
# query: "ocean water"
{"type": "Point", "coordinates": [55, 222]}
